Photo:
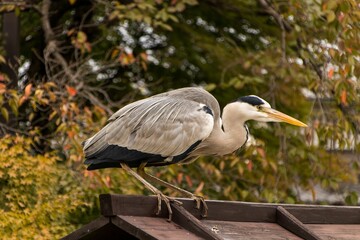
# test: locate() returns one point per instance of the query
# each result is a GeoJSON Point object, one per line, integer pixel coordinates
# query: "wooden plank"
{"type": "Point", "coordinates": [112, 205]}
{"type": "Point", "coordinates": [249, 230]}
{"type": "Point", "coordinates": [291, 223]}
{"type": "Point", "coordinates": [231, 211]}
{"type": "Point", "coordinates": [326, 214]}
{"type": "Point", "coordinates": [189, 222]}
{"type": "Point", "coordinates": [336, 231]}
{"type": "Point", "coordinates": [128, 205]}
{"type": "Point", "coordinates": [160, 228]}
{"type": "Point", "coordinates": [240, 211]}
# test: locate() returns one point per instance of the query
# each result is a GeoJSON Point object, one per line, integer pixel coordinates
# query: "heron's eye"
{"type": "Point", "coordinates": [259, 107]}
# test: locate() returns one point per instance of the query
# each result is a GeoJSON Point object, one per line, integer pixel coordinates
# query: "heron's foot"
{"type": "Point", "coordinates": [167, 200]}
{"type": "Point", "coordinates": [201, 201]}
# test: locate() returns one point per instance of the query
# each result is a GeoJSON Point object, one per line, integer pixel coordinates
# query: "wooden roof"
{"type": "Point", "coordinates": [133, 217]}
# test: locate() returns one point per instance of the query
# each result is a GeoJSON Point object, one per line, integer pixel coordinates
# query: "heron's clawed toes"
{"type": "Point", "coordinates": [167, 200]}
{"type": "Point", "coordinates": [201, 201]}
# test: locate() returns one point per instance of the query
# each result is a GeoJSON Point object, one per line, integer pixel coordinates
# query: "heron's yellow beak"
{"type": "Point", "coordinates": [281, 117]}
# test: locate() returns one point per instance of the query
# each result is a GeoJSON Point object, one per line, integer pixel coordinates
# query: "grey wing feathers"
{"type": "Point", "coordinates": [164, 124]}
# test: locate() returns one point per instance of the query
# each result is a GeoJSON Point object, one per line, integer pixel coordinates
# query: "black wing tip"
{"type": "Point", "coordinates": [103, 165]}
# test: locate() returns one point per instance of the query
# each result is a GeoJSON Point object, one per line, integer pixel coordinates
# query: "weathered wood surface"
{"type": "Point", "coordinates": [336, 231]}
{"type": "Point", "coordinates": [249, 230]}
{"type": "Point", "coordinates": [189, 222]}
{"type": "Point", "coordinates": [232, 211]}
{"type": "Point", "coordinates": [133, 217]}
{"type": "Point", "coordinates": [153, 228]}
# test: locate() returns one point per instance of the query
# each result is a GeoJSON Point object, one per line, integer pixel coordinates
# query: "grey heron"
{"type": "Point", "coordinates": [175, 127]}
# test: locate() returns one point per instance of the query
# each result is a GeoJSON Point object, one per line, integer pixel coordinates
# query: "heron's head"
{"type": "Point", "coordinates": [255, 108]}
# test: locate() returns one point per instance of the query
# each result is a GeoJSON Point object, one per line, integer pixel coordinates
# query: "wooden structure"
{"type": "Point", "coordinates": [133, 217]}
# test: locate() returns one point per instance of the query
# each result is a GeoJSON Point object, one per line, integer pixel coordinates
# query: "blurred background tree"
{"type": "Point", "coordinates": [66, 66]}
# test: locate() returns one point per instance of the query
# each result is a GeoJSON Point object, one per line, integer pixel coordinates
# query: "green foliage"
{"type": "Point", "coordinates": [109, 53]}
{"type": "Point", "coordinates": [40, 198]}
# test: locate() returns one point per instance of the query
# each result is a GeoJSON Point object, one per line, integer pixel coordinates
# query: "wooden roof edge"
{"type": "Point", "coordinates": [107, 196]}
{"type": "Point", "coordinates": [113, 204]}
{"type": "Point", "coordinates": [90, 227]}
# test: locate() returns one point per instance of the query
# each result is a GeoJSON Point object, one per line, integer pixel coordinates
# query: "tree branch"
{"type": "Point", "coordinates": [51, 44]}
{"type": "Point", "coordinates": [284, 25]}
{"type": "Point", "coordinates": [279, 19]}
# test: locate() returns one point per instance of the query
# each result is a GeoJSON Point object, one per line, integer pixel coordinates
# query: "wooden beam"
{"type": "Point", "coordinates": [319, 214]}
{"type": "Point", "coordinates": [291, 223]}
{"type": "Point", "coordinates": [192, 224]}
{"type": "Point", "coordinates": [128, 205]}
{"type": "Point", "coordinates": [112, 205]}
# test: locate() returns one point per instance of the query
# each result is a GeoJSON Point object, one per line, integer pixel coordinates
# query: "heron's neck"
{"type": "Point", "coordinates": [235, 132]}
{"type": "Point", "coordinates": [228, 140]}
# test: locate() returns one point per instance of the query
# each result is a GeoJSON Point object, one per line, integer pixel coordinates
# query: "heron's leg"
{"type": "Point", "coordinates": [199, 199]}
{"type": "Point", "coordinates": [156, 191]}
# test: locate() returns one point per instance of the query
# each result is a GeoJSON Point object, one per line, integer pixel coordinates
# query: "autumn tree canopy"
{"type": "Point", "coordinates": [77, 62]}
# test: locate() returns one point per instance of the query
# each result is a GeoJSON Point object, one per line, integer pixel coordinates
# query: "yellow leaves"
{"type": "Point", "coordinates": [2, 59]}
{"type": "Point", "coordinates": [329, 8]}
{"type": "Point", "coordinates": [52, 115]}
{"type": "Point", "coordinates": [330, 16]}
{"type": "Point", "coordinates": [126, 59]}
{"type": "Point", "coordinates": [5, 114]}
{"type": "Point", "coordinates": [330, 5]}
{"type": "Point", "coordinates": [36, 192]}
{"type": "Point", "coordinates": [7, 7]}
{"type": "Point", "coordinates": [210, 87]}
{"type": "Point", "coordinates": [146, 12]}
{"type": "Point", "coordinates": [115, 53]}
{"type": "Point", "coordinates": [115, 14]}
{"type": "Point", "coordinates": [13, 103]}
{"type": "Point", "coordinates": [79, 40]}
{"type": "Point", "coordinates": [72, 2]}
{"type": "Point", "coordinates": [222, 165]}
{"type": "Point", "coordinates": [81, 37]}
